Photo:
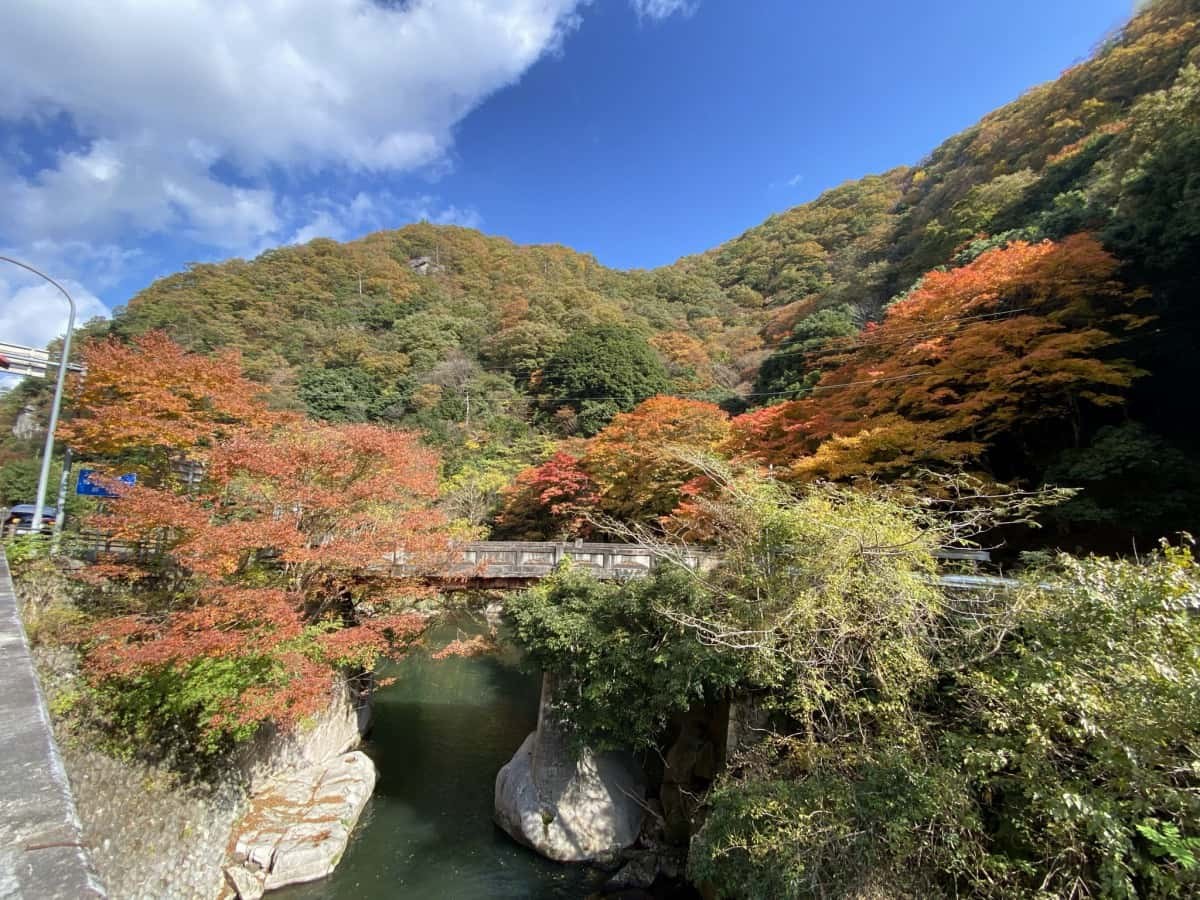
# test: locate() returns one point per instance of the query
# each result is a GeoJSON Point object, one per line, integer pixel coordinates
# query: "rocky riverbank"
{"type": "Point", "coordinates": [297, 827]}
{"type": "Point", "coordinates": [153, 834]}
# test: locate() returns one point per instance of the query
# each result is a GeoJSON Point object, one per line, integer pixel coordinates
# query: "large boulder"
{"type": "Point", "coordinates": [298, 825]}
{"type": "Point", "coordinates": [568, 807]}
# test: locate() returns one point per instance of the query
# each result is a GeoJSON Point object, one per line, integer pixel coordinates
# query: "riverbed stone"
{"type": "Point", "coordinates": [568, 807]}
{"type": "Point", "coordinates": [639, 872]}
{"type": "Point", "coordinates": [298, 825]}
{"type": "Point", "coordinates": [247, 885]}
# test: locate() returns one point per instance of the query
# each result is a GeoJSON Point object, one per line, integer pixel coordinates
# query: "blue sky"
{"type": "Point", "coordinates": [637, 130]}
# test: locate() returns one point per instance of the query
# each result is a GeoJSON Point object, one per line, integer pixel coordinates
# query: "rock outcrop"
{"type": "Point", "coordinates": [298, 825]}
{"type": "Point", "coordinates": [27, 427]}
{"type": "Point", "coordinates": [568, 808]}
{"type": "Point", "coordinates": [333, 731]}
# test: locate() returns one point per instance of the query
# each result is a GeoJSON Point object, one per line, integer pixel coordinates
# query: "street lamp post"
{"type": "Point", "coordinates": [48, 452]}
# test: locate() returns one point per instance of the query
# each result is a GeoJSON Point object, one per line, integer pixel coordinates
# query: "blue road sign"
{"type": "Point", "coordinates": [85, 486]}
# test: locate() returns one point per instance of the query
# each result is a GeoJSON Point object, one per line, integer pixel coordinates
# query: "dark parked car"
{"type": "Point", "coordinates": [20, 518]}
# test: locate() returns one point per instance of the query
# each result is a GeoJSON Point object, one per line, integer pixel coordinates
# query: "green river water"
{"type": "Point", "coordinates": [440, 734]}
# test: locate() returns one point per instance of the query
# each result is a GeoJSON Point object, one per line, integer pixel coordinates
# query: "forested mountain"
{"type": "Point", "coordinates": [407, 324]}
{"type": "Point", "coordinates": [970, 341]}
{"type": "Point", "coordinates": [1104, 399]}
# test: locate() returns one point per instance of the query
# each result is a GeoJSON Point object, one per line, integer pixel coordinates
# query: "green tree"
{"type": "Point", "coordinates": [601, 371]}
{"type": "Point", "coordinates": [1131, 480]}
{"type": "Point", "coordinates": [1158, 214]}
{"type": "Point", "coordinates": [795, 367]}
{"type": "Point", "coordinates": [18, 480]}
{"type": "Point", "coordinates": [630, 670]}
{"type": "Point", "coordinates": [339, 395]}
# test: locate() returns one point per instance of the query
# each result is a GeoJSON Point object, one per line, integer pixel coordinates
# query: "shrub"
{"type": "Point", "coordinates": [1063, 764]}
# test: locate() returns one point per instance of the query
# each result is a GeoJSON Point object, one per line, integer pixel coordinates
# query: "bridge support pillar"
{"type": "Point", "coordinates": [568, 807]}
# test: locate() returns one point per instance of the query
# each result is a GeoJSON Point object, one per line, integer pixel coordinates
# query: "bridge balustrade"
{"type": "Point", "coordinates": [515, 563]}
{"type": "Point", "coordinates": [529, 560]}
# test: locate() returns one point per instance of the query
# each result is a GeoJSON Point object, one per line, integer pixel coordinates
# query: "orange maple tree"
{"type": "Point", "coordinates": [639, 462]}
{"type": "Point", "coordinates": [550, 501]}
{"type": "Point", "coordinates": [150, 402]}
{"type": "Point", "coordinates": [687, 360]}
{"type": "Point", "coordinates": [277, 566]}
{"type": "Point", "coordinates": [1016, 340]}
{"type": "Point", "coordinates": [634, 470]}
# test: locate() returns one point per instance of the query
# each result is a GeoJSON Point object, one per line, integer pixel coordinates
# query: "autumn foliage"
{"type": "Point", "coordinates": [634, 470]}
{"type": "Point", "coordinates": [1016, 345]}
{"type": "Point", "coordinates": [275, 568]}
{"type": "Point", "coordinates": [148, 402]}
{"type": "Point", "coordinates": [549, 501]}
{"type": "Point", "coordinates": [1017, 340]}
{"type": "Point", "coordinates": [638, 461]}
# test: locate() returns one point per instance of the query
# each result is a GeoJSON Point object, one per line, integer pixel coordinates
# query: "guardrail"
{"type": "Point", "coordinates": [528, 560]}
{"type": "Point", "coordinates": [500, 561]}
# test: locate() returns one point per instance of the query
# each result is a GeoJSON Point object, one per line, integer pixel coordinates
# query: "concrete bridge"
{"type": "Point", "coordinates": [515, 564]}
{"type": "Point", "coordinates": [510, 565]}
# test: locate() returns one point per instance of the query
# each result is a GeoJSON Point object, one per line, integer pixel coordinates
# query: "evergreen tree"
{"type": "Point", "coordinates": [601, 371]}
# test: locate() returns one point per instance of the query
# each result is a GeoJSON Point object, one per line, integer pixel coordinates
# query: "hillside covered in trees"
{"type": "Point", "coordinates": [833, 403]}
{"type": "Point", "coordinates": [1020, 304]}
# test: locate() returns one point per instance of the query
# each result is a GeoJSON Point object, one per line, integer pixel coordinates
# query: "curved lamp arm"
{"type": "Point", "coordinates": [48, 452]}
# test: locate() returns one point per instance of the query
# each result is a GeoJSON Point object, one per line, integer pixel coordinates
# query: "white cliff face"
{"type": "Point", "coordinates": [27, 427]}
{"type": "Point", "coordinates": [306, 793]}
{"type": "Point", "coordinates": [333, 731]}
{"type": "Point", "coordinates": [566, 808]}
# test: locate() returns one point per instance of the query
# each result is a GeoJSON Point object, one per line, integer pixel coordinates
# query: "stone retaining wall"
{"type": "Point", "coordinates": [151, 836]}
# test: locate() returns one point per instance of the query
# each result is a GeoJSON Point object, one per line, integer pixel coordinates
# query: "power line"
{"type": "Point", "coordinates": [852, 342]}
{"type": "Point", "coordinates": [863, 339]}
{"type": "Point", "coordinates": [859, 342]}
{"type": "Point", "coordinates": [703, 395]}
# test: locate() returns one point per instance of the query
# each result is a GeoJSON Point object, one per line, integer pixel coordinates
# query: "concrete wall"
{"type": "Point", "coordinates": [42, 850]}
{"type": "Point", "coordinates": [156, 837]}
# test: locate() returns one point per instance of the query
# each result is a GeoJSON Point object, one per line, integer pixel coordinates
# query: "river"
{"type": "Point", "coordinates": [441, 732]}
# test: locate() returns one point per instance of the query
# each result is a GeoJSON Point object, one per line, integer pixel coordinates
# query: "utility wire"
{"type": "Point", "coordinates": [852, 342]}
{"type": "Point", "coordinates": [864, 339]}
{"type": "Point", "coordinates": [858, 341]}
{"type": "Point", "coordinates": [702, 395]}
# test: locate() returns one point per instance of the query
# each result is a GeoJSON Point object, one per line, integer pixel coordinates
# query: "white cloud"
{"type": "Point", "coordinates": [430, 209]}
{"type": "Point", "coordinates": [202, 120]}
{"type": "Point", "coordinates": [161, 94]}
{"type": "Point", "coordinates": [658, 10]}
{"type": "Point", "coordinates": [322, 225]}
{"type": "Point", "coordinates": [131, 188]}
{"type": "Point", "coordinates": [306, 82]}
{"type": "Point", "coordinates": [34, 313]}
{"type": "Point", "coordinates": [102, 265]}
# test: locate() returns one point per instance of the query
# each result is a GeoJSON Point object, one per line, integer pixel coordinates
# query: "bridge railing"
{"type": "Point", "coordinates": [523, 560]}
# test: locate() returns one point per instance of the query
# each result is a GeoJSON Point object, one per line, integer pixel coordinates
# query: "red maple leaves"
{"type": "Point", "coordinates": [279, 559]}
